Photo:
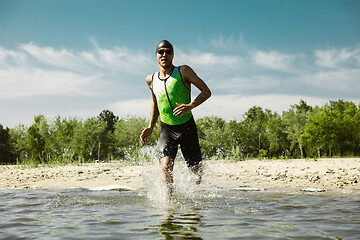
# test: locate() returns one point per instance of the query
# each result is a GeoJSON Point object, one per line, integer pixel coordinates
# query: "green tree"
{"type": "Point", "coordinates": [19, 142]}
{"type": "Point", "coordinates": [357, 140]}
{"type": "Point", "coordinates": [6, 152]}
{"type": "Point", "coordinates": [346, 127]}
{"type": "Point", "coordinates": [36, 140]}
{"type": "Point", "coordinates": [127, 135]}
{"type": "Point", "coordinates": [234, 141]}
{"type": "Point", "coordinates": [211, 136]}
{"type": "Point", "coordinates": [47, 131]}
{"type": "Point", "coordinates": [255, 125]}
{"type": "Point", "coordinates": [277, 136]}
{"type": "Point", "coordinates": [110, 119]}
{"type": "Point", "coordinates": [88, 137]}
{"type": "Point", "coordinates": [334, 128]}
{"type": "Point", "coordinates": [64, 133]}
{"type": "Point", "coordinates": [295, 121]}
{"type": "Point", "coordinates": [108, 145]}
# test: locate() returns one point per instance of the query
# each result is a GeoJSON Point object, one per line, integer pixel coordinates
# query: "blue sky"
{"type": "Point", "coordinates": [77, 58]}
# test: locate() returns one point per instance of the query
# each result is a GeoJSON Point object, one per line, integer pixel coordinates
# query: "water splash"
{"type": "Point", "coordinates": [184, 190]}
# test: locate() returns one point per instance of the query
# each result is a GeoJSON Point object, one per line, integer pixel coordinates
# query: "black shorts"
{"type": "Point", "coordinates": [184, 135]}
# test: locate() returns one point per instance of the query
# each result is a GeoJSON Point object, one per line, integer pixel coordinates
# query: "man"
{"type": "Point", "coordinates": [170, 89]}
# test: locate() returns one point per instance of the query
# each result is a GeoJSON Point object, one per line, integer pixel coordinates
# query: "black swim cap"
{"type": "Point", "coordinates": [164, 44]}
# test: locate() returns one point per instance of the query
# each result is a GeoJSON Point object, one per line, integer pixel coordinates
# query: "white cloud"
{"type": "Point", "coordinates": [224, 43]}
{"type": "Point", "coordinates": [255, 82]}
{"type": "Point", "coordinates": [232, 107]}
{"type": "Point", "coordinates": [51, 57]}
{"type": "Point", "coordinates": [345, 80]}
{"type": "Point", "coordinates": [336, 58]}
{"type": "Point", "coordinates": [24, 82]}
{"type": "Point", "coordinates": [274, 60]}
{"type": "Point", "coordinates": [10, 57]}
{"type": "Point", "coordinates": [133, 107]}
{"type": "Point", "coordinates": [207, 59]}
{"type": "Point", "coordinates": [338, 69]}
{"type": "Point", "coordinates": [121, 58]}
{"type": "Point", "coordinates": [31, 70]}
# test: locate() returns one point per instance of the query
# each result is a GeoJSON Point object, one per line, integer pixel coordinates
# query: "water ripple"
{"type": "Point", "coordinates": [202, 214]}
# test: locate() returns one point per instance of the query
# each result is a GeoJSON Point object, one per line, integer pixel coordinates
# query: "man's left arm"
{"type": "Point", "coordinates": [190, 77]}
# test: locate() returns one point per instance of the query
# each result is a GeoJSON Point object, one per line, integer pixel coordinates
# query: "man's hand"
{"type": "Point", "coordinates": [145, 134]}
{"type": "Point", "coordinates": [182, 109]}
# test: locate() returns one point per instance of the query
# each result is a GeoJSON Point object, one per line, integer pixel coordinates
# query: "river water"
{"type": "Point", "coordinates": [201, 213]}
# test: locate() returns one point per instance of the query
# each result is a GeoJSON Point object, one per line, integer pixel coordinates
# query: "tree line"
{"type": "Point", "coordinates": [301, 132]}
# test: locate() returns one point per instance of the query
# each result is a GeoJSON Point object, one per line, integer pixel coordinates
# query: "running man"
{"type": "Point", "coordinates": [171, 101]}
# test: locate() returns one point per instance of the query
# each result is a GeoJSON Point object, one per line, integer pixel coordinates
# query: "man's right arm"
{"type": "Point", "coordinates": [154, 113]}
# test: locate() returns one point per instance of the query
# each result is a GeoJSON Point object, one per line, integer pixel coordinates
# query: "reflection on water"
{"type": "Point", "coordinates": [179, 225]}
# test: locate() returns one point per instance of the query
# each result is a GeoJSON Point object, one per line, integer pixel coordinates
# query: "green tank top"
{"type": "Point", "coordinates": [168, 92]}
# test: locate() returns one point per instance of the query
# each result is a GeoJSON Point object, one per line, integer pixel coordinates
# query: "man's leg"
{"type": "Point", "coordinates": [198, 171]}
{"type": "Point", "coordinates": [167, 166]}
{"type": "Point", "coordinates": [190, 148]}
{"type": "Point", "coordinates": [167, 148]}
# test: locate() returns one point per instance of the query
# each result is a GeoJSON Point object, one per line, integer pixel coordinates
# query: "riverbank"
{"type": "Point", "coordinates": [327, 174]}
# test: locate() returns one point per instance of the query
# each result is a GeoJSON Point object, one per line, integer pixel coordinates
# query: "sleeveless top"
{"type": "Point", "coordinates": [168, 92]}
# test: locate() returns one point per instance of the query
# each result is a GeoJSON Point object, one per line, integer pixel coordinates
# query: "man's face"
{"type": "Point", "coordinates": [164, 57]}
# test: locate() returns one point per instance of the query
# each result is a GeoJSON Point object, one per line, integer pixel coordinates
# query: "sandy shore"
{"type": "Point", "coordinates": [327, 174]}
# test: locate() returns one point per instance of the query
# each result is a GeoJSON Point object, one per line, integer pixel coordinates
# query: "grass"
{"type": "Point", "coordinates": [131, 158]}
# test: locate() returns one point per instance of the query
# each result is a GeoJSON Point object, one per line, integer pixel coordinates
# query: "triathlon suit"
{"type": "Point", "coordinates": [175, 130]}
